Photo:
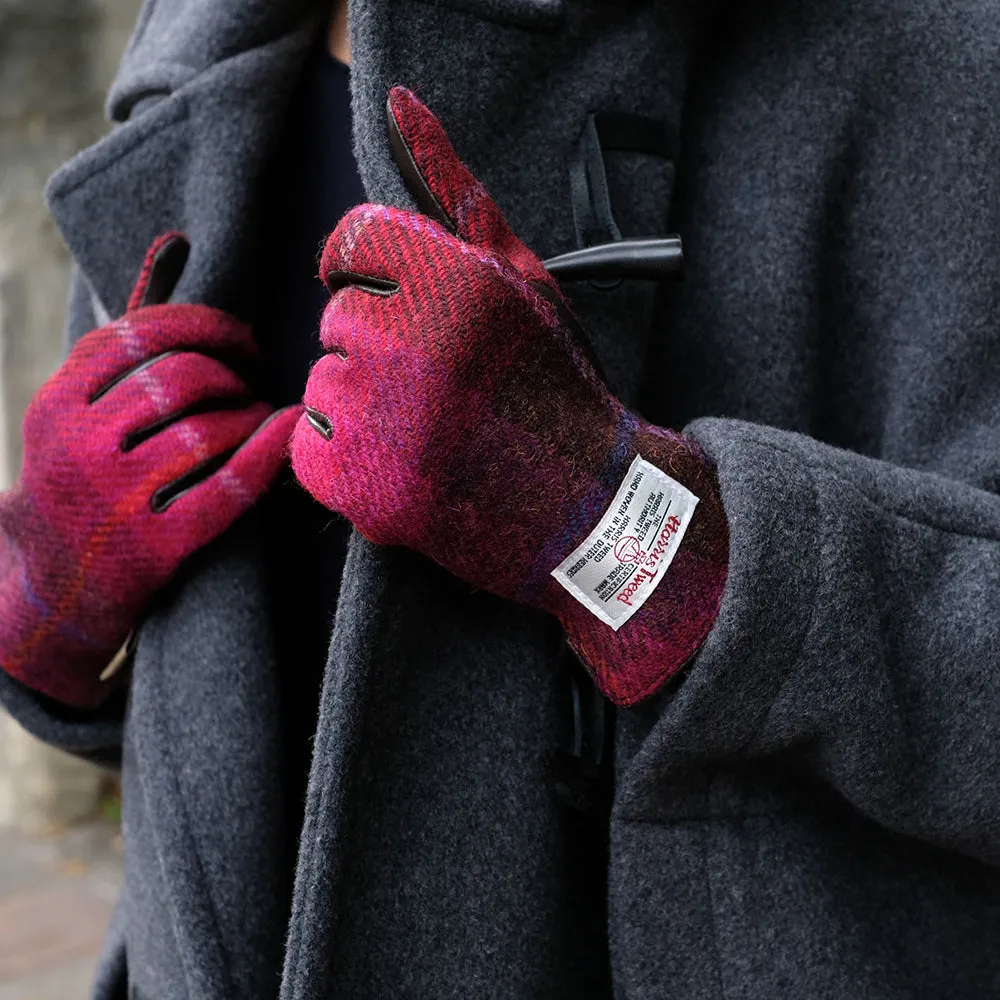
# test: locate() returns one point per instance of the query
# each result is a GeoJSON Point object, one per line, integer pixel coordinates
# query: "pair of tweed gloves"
{"type": "Point", "coordinates": [455, 411]}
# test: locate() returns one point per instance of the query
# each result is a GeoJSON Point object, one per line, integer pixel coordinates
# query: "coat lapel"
{"type": "Point", "coordinates": [190, 161]}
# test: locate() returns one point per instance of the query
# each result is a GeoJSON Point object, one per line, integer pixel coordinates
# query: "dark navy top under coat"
{"type": "Point", "coordinates": [313, 180]}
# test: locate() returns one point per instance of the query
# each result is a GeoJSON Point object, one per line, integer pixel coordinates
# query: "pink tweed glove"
{"type": "Point", "coordinates": [457, 413]}
{"type": "Point", "coordinates": [143, 447]}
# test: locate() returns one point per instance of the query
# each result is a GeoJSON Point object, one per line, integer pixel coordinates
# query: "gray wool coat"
{"type": "Point", "coordinates": [813, 810]}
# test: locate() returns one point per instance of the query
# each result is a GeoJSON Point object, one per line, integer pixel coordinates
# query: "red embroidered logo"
{"type": "Point", "coordinates": [627, 550]}
{"type": "Point", "coordinates": [648, 562]}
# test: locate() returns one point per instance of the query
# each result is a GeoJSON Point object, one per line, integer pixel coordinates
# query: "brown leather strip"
{"type": "Point", "coordinates": [415, 182]}
{"type": "Point", "coordinates": [166, 495]}
{"type": "Point", "coordinates": [335, 280]}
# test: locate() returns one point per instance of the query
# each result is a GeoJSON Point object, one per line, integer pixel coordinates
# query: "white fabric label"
{"type": "Point", "coordinates": [622, 561]}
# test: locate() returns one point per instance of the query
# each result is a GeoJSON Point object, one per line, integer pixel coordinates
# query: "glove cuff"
{"type": "Point", "coordinates": [40, 647]}
{"type": "Point", "coordinates": [641, 591]}
{"type": "Point", "coordinates": [63, 669]}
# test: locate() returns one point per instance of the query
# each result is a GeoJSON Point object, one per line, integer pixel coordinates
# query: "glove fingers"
{"type": "Point", "coordinates": [208, 508]}
{"type": "Point", "coordinates": [350, 318]}
{"type": "Point", "coordinates": [362, 252]}
{"type": "Point", "coordinates": [444, 188]}
{"type": "Point", "coordinates": [174, 386]}
{"type": "Point", "coordinates": [127, 489]}
{"type": "Point", "coordinates": [105, 357]}
{"type": "Point", "coordinates": [188, 444]}
{"type": "Point", "coordinates": [374, 243]}
{"type": "Point", "coordinates": [340, 393]}
{"type": "Point", "coordinates": [346, 470]}
{"type": "Point", "coordinates": [326, 380]}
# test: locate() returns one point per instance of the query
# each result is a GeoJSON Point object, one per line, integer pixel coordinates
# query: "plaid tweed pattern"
{"type": "Point", "coordinates": [465, 421]}
{"type": "Point", "coordinates": [82, 550]}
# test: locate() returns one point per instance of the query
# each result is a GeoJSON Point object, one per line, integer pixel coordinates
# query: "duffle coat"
{"type": "Point", "coordinates": [812, 810]}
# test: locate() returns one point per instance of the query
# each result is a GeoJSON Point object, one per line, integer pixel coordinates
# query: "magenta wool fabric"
{"type": "Point", "coordinates": [143, 447]}
{"type": "Point", "coordinates": [456, 413]}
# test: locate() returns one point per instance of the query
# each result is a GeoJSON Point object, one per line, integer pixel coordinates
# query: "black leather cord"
{"type": "Point", "coordinates": [650, 257]}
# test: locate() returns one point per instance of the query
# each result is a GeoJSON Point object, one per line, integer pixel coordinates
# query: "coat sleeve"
{"type": "Point", "coordinates": [858, 638]}
{"type": "Point", "coordinates": [94, 735]}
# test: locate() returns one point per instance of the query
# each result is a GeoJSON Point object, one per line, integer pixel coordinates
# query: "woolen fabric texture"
{"type": "Point", "coordinates": [95, 525]}
{"type": "Point", "coordinates": [463, 420]}
{"type": "Point", "coordinates": [810, 808]}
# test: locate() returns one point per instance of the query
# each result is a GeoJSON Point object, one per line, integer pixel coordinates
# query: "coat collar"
{"type": "Point", "coordinates": [188, 157]}
{"type": "Point", "coordinates": [199, 98]}
{"type": "Point", "coordinates": [175, 40]}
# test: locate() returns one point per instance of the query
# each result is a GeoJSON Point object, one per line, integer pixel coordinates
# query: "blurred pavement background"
{"type": "Point", "coordinates": [59, 866]}
{"type": "Point", "coordinates": [56, 896]}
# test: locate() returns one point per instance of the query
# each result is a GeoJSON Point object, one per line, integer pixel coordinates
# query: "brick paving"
{"type": "Point", "coordinates": [56, 896]}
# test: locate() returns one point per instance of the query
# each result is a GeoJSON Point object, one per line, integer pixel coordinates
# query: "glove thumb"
{"type": "Point", "coordinates": [445, 189]}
